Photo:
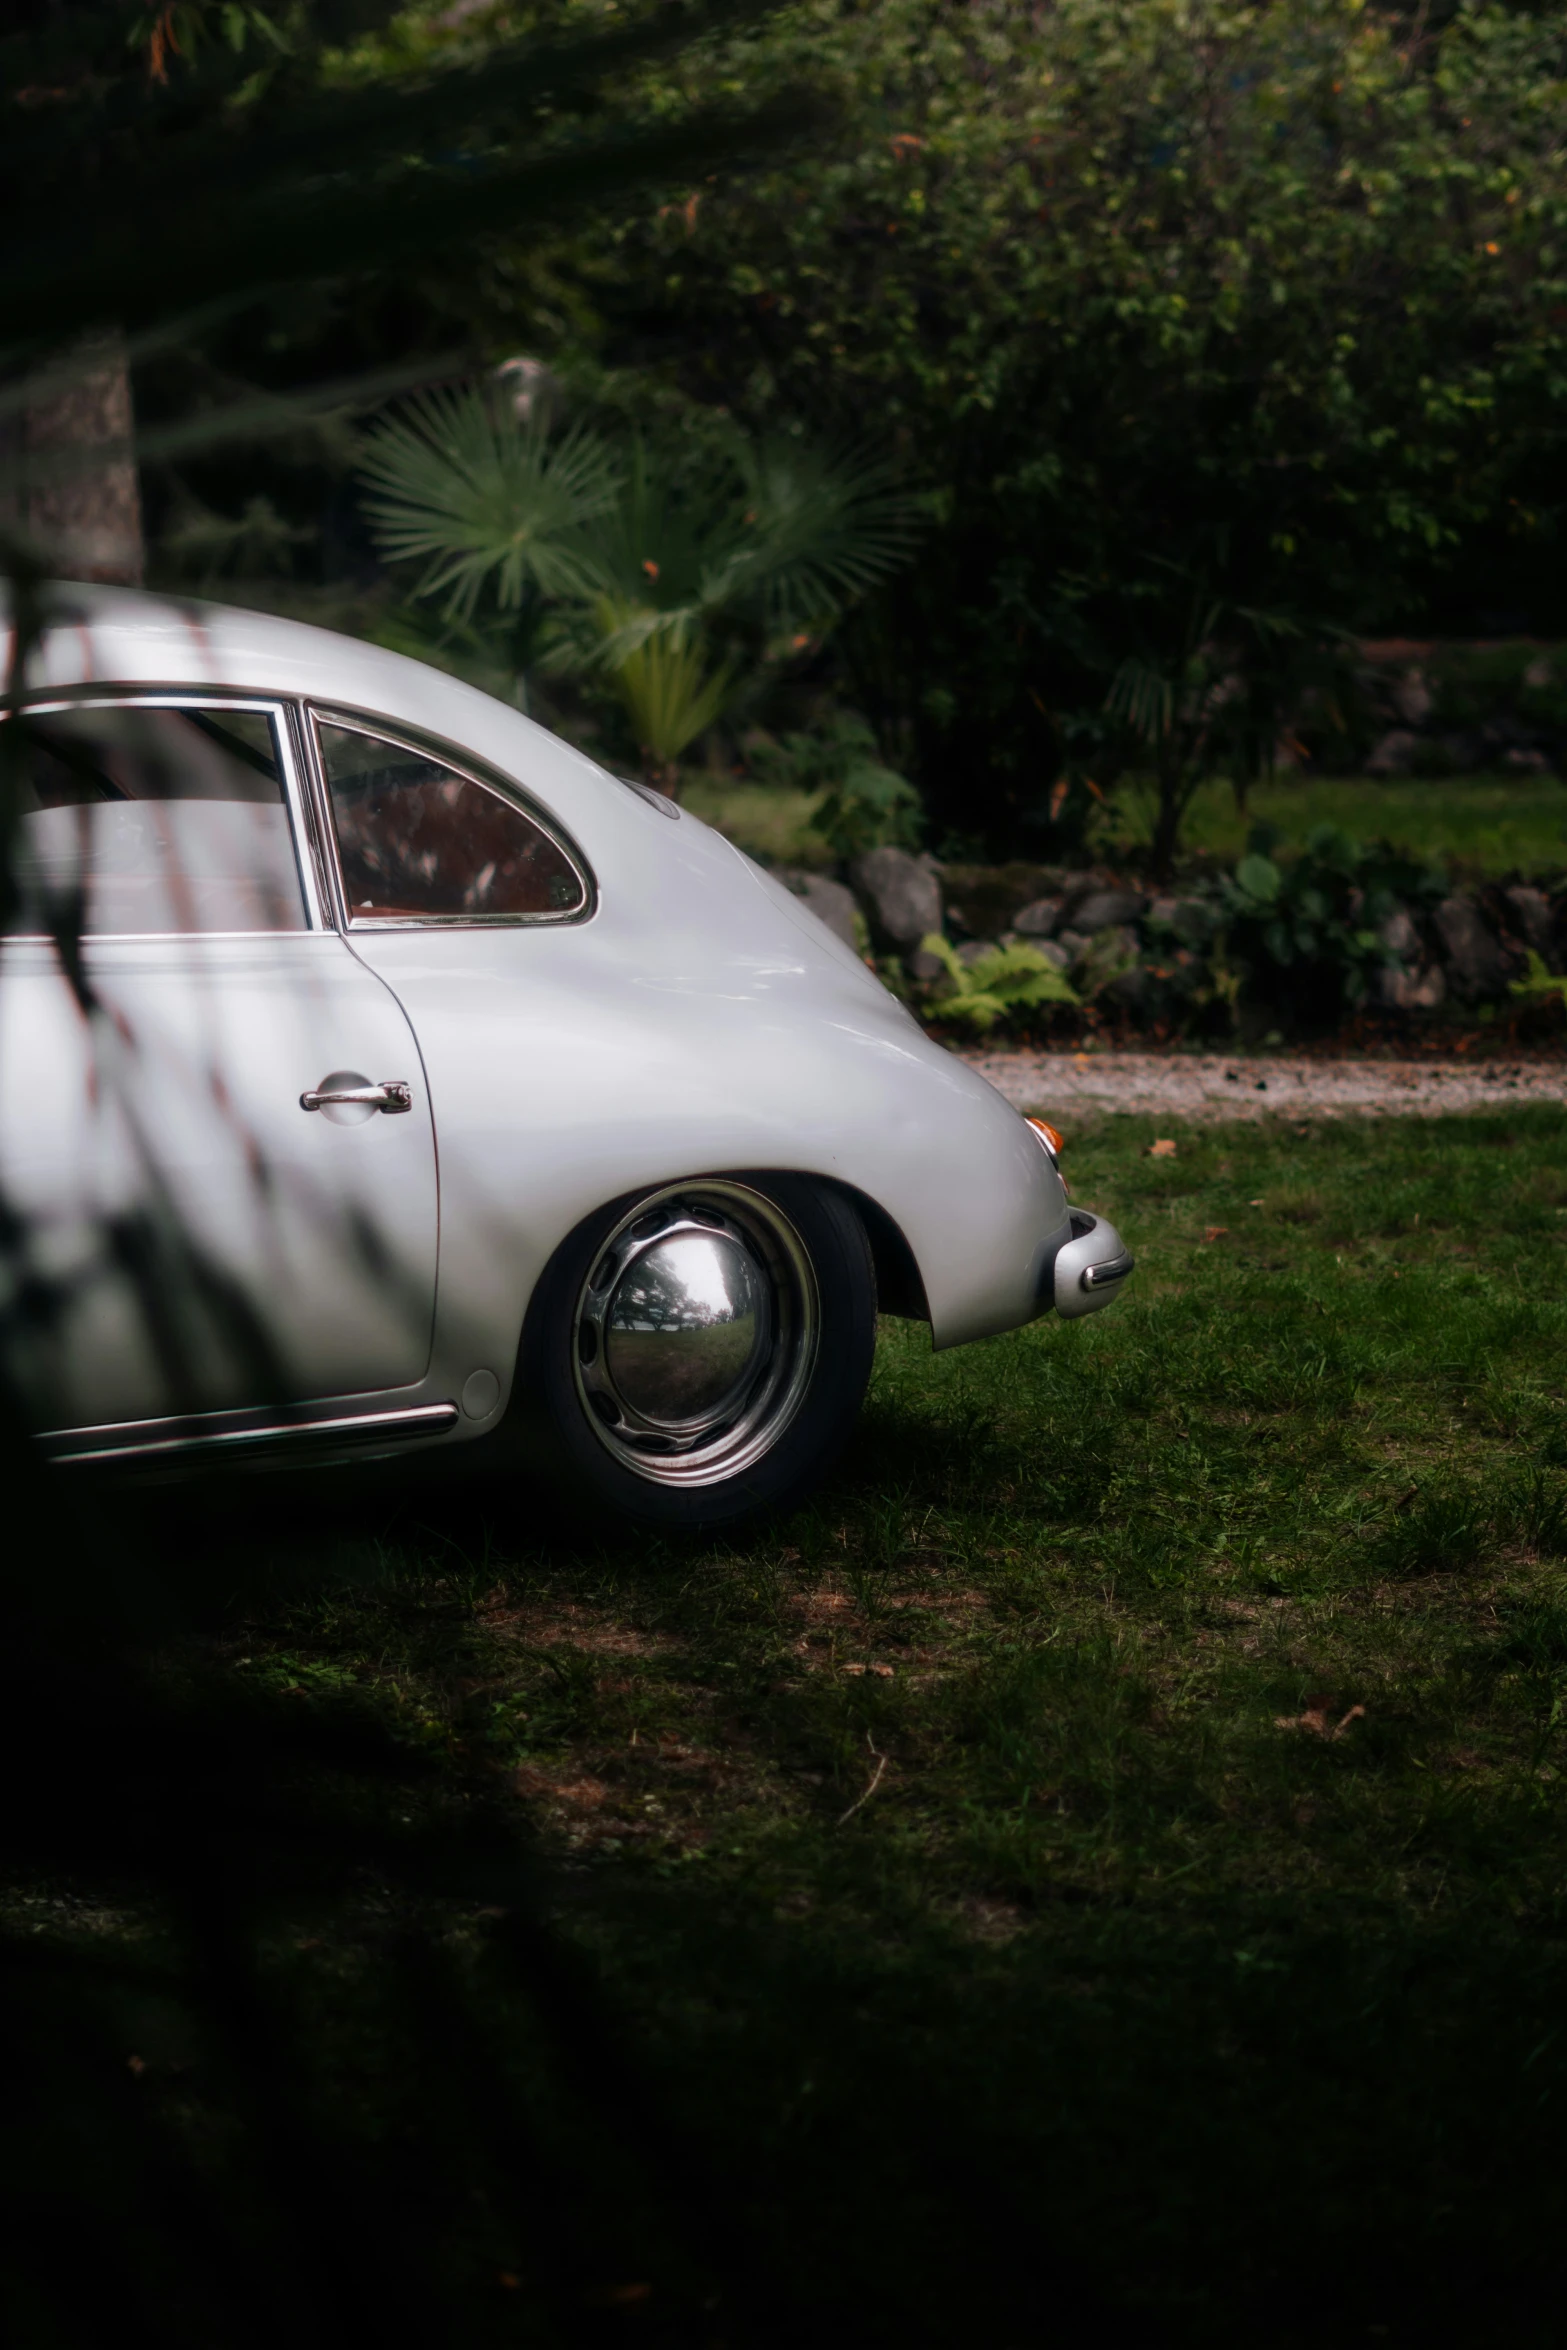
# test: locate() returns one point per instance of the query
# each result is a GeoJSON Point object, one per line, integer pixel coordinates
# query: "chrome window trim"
{"type": "Point", "coordinates": [295, 799]}
{"type": "Point", "coordinates": [399, 737]}
{"type": "Point", "coordinates": [316, 818]}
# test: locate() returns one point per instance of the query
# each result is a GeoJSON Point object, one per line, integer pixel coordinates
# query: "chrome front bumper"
{"type": "Point", "coordinates": [1090, 1268]}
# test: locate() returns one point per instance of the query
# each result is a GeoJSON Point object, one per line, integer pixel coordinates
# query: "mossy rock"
{"type": "Point", "coordinates": [1473, 684]}
{"type": "Point", "coordinates": [985, 898]}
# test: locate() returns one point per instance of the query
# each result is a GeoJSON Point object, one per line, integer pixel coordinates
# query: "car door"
{"type": "Point", "coordinates": [195, 1219]}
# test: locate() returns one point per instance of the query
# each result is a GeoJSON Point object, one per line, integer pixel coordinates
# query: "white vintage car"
{"type": "Point", "coordinates": [370, 1061]}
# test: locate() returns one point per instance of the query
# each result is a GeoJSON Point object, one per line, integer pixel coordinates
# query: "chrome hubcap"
{"type": "Point", "coordinates": [695, 1333]}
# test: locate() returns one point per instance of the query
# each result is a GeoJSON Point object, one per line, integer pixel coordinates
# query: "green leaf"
{"type": "Point", "coordinates": [1260, 878]}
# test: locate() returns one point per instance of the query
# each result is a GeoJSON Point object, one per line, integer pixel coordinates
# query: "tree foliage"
{"type": "Point", "coordinates": [135, 195]}
{"type": "Point", "coordinates": [1190, 306]}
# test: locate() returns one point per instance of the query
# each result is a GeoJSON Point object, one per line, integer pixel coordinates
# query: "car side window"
{"type": "Point", "coordinates": [419, 842]}
{"type": "Point", "coordinates": [139, 821]}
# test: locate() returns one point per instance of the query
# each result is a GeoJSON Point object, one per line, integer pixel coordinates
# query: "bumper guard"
{"type": "Point", "coordinates": [1091, 1268]}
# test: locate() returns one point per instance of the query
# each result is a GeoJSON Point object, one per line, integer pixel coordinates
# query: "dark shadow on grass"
{"type": "Point", "coordinates": [1230, 2125]}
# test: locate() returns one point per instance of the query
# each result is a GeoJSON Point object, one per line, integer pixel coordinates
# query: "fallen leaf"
{"type": "Point", "coordinates": [1315, 1719]}
{"type": "Point", "coordinates": [1256, 1203]}
{"type": "Point", "coordinates": [1164, 1148]}
{"type": "Point", "coordinates": [586, 1794]}
{"type": "Point", "coordinates": [1215, 1232]}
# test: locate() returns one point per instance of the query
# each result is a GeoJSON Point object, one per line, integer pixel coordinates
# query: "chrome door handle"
{"type": "Point", "coordinates": [391, 1097]}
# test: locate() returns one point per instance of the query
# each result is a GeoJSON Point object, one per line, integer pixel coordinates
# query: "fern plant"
{"type": "Point", "coordinates": [1540, 982]}
{"type": "Point", "coordinates": [1006, 981]}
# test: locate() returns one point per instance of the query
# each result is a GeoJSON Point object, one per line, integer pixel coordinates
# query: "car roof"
{"type": "Point", "coordinates": [125, 637]}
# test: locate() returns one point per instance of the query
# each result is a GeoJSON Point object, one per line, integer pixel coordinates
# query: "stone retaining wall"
{"type": "Point", "coordinates": [1142, 951]}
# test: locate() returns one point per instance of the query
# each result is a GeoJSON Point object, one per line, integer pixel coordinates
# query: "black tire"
{"type": "Point", "coordinates": [816, 1300]}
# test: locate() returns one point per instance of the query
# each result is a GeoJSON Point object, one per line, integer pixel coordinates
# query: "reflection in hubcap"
{"type": "Point", "coordinates": [686, 1329]}
{"type": "Point", "coordinates": [696, 1333]}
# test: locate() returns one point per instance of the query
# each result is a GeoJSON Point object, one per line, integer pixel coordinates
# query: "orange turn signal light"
{"type": "Point", "coordinates": [1055, 1143]}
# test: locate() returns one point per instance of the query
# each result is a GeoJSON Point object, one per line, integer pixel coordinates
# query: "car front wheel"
{"type": "Point", "coordinates": [701, 1350]}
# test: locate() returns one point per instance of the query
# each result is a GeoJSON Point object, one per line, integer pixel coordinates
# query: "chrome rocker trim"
{"type": "Point", "coordinates": [72, 1445]}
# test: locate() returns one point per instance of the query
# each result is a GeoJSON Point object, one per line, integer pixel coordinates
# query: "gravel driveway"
{"type": "Point", "coordinates": [1212, 1085]}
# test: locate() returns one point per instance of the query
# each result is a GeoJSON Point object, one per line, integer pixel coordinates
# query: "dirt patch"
{"type": "Point", "coordinates": [653, 1791]}
{"type": "Point", "coordinates": [990, 1920]}
{"type": "Point", "coordinates": [836, 1633]}
{"type": "Point", "coordinates": [574, 1794]}
{"type": "Point", "coordinates": [549, 1623]}
{"type": "Point", "coordinates": [1210, 1086]}
{"type": "Point", "coordinates": [822, 1603]}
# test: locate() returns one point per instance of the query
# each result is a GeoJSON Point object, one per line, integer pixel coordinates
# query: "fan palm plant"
{"type": "Point", "coordinates": [654, 625]}
{"type": "Point", "coordinates": [680, 579]}
{"type": "Point", "coordinates": [492, 508]}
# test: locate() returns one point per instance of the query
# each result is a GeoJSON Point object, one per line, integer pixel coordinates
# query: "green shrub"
{"type": "Point", "coordinates": [1307, 933]}
{"type": "Point", "coordinates": [865, 805]}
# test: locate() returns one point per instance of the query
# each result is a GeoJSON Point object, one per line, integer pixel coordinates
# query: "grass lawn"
{"type": "Point", "coordinates": [1479, 825]}
{"type": "Point", "coordinates": [1101, 1870]}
